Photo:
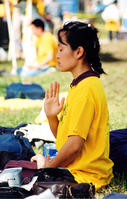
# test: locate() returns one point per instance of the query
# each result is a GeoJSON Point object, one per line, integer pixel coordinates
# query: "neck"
{"type": "Point", "coordinates": [79, 69]}
{"type": "Point", "coordinates": [41, 33]}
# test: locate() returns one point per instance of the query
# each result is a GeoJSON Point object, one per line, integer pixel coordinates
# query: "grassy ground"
{"type": "Point", "coordinates": [114, 59]}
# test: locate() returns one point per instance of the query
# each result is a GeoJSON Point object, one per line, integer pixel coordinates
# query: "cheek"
{"type": "Point", "coordinates": [67, 55]}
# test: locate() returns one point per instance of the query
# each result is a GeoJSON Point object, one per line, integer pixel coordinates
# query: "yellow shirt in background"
{"type": "Point", "coordinates": [85, 113]}
{"type": "Point", "coordinates": [2, 10]}
{"type": "Point", "coordinates": [46, 44]}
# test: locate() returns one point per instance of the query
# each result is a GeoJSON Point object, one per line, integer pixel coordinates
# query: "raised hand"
{"type": "Point", "coordinates": [52, 106]}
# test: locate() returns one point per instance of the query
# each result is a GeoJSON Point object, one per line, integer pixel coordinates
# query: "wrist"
{"type": "Point", "coordinates": [52, 117]}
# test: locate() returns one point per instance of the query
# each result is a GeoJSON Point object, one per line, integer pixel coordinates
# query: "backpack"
{"type": "Point", "coordinates": [24, 91]}
{"type": "Point", "coordinates": [118, 150]}
{"type": "Point", "coordinates": [14, 147]}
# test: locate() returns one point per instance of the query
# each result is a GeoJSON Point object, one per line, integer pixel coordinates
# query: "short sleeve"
{"type": "Point", "coordinates": [81, 114]}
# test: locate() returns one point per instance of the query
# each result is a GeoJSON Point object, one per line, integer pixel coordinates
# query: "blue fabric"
{"type": "Point", "coordinates": [118, 149]}
{"type": "Point", "coordinates": [26, 72]}
{"type": "Point", "coordinates": [10, 130]}
{"type": "Point", "coordinates": [14, 147]}
{"type": "Point", "coordinates": [100, 7]}
{"type": "Point", "coordinates": [115, 196]}
{"type": "Point", "coordinates": [10, 142]}
{"type": "Point", "coordinates": [19, 90]}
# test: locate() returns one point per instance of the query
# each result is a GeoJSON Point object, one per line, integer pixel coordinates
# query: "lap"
{"type": "Point", "coordinates": [26, 72]}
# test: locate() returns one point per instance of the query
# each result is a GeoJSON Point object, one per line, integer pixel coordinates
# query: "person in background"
{"type": "Point", "coordinates": [112, 20]}
{"type": "Point", "coordinates": [22, 13]}
{"type": "Point", "coordinates": [46, 49]}
{"type": "Point", "coordinates": [54, 9]}
{"type": "Point", "coordinates": [82, 130]}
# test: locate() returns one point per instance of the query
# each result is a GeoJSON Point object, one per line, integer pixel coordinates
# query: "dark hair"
{"type": "Point", "coordinates": [115, 1]}
{"type": "Point", "coordinates": [85, 35]}
{"type": "Point", "coordinates": [38, 23]}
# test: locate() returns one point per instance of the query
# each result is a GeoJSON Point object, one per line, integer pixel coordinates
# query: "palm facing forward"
{"type": "Point", "coordinates": [52, 106]}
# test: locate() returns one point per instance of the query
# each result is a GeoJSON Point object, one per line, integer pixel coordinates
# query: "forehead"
{"type": "Point", "coordinates": [63, 38]}
{"type": "Point", "coordinates": [35, 27]}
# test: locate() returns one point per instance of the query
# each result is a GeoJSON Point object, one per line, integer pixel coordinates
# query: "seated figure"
{"type": "Point", "coordinates": [43, 57]}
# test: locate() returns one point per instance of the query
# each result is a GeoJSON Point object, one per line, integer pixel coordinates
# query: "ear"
{"type": "Point", "coordinates": [80, 52]}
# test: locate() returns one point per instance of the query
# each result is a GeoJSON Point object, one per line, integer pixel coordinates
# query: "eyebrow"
{"type": "Point", "coordinates": [62, 43]}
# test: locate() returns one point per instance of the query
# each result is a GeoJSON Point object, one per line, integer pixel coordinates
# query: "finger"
{"type": "Point", "coordinates": [51, 90]}
{"type": "Point", "coordinates": [54, 89]}
{"type": "Point", "coordinates": [47, 94]}
{"type": "Point", "coordinates": [57, 90]}
{"type": "Point", "coordinates": [33, 158]}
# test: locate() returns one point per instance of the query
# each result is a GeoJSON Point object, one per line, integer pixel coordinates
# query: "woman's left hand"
{"type": "Point", "coordinates": [42, 162]}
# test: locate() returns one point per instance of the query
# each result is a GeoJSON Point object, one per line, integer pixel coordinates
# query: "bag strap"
{"type": "Point", "coordinates": [69, 191]}
{"type": "Point", "coordinates": [91, 191]}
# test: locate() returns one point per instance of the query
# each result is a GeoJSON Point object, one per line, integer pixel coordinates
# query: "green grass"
{"type": "Point", "coordinates": [114, 59]}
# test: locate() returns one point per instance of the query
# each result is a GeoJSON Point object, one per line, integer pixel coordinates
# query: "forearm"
{"type": "Point", "coordinates": [68, 153]}
{"type": "Point", "coordinates": [63, 159]}
{"type": "Point", "coordinates": [53, 123]}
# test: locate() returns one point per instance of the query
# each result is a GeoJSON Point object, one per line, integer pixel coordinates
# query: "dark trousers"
{"type": "Point", "coordinates": [111, 34]}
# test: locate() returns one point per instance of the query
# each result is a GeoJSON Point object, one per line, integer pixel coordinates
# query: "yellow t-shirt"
{"type": "Point", "coordinates": [2, 10]}
{"type": "Point", "coordinates": [112, 25]}
{"type": "Point", "coordinates": [46, 44]}
{"type": "Point", "coordinates": [85, 113]}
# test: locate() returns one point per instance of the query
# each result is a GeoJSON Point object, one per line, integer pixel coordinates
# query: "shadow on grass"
{"type": "Point", "coordinates": [108, 57]}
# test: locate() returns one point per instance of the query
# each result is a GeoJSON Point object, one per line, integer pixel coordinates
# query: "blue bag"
{"type": "Point", "coordinates": [118, 150]}
{"type": "Point", "coordinates": [24, 91]}
{"type": "Point", "coordinates": [14, 147]}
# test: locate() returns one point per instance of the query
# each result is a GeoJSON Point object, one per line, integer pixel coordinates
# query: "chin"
{"type": "Point", "coordinates": [62, 68]}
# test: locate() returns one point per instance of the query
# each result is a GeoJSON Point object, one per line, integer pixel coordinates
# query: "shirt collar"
{"type": "Point", "coordinates": [83, 76]}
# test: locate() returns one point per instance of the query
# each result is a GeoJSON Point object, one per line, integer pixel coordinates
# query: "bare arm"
{"type": "Point", "coordinates": [53, 123]}
{"type": "Point", "coordinates": [68, 153]}
{"type": "Point", "coordinates": [52, 106]}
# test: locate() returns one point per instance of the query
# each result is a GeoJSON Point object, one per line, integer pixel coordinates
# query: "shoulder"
{"type": "Point", "coordinates": [49, 36]}
{"type": "Point", "coordinates": [89, 87]}
{"type": "Point", "coordinates": [89, 83]}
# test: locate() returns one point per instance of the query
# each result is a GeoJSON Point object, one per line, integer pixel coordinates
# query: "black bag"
{"type": "Point", "coordinates": [14, 192]}
{"type": "Point", "coordinates": [55, 174]}
{"type": "Point", "coordinates": [62, 184]}
{"type": "Point", "coordinates": [66, 189]}
{"type": "Point", "coordinates": [19, 90]}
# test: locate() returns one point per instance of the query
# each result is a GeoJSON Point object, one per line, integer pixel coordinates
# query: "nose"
{"type": "Point", "coordinates": [57, 55]}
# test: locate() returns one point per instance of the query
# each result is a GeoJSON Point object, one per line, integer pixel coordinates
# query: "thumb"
{"type": "Point", "coordinates": [62, 102]}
